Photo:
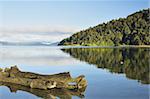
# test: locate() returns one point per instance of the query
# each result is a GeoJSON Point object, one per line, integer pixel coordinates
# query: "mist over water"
{"type": "Point", "coordinates": [32, 38]}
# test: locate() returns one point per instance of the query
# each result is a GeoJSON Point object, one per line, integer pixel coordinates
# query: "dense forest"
{"type": "Point", "coordinates": [132, 30]}
{"type": "Point", "coordinates": [133, 62]}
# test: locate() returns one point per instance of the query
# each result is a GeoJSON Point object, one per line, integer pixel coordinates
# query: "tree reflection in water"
{"type": "Point", "coordinates": [133, 62]}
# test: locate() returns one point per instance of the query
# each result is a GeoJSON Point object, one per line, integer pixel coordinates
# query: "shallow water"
{"type": "Point", "coordinates": [112, 73]}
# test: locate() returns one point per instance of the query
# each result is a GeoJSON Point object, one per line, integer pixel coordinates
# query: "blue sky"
{"type": "Point", "coordinates": [63, 15]}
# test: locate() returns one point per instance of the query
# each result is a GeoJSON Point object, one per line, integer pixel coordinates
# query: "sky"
{"type": "Point", "coordinates": [53, 20]}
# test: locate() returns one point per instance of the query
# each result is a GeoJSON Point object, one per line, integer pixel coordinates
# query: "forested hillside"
{"type": "Point", "coordinates": [132, 30]}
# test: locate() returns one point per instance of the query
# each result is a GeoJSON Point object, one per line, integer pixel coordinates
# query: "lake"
{"type": "Point", "coordinates": [112, 73]}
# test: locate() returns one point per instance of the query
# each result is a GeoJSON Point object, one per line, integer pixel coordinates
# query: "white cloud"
{"type": "Point", "coordinates": [32, 37]}
{"type": "Point", "coordinates": [38, 28]}
{"type": "Point", "coordinates": [35, 34]}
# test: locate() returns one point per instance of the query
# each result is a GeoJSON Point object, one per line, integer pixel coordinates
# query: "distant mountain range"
{"type": "Point", "coordinates": [132, 30]}
{"type": "Point", "coordinates": [29, 43]}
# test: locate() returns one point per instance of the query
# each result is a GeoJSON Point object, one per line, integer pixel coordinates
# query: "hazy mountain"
{"type": "Point", "coordinates": [29, 43]}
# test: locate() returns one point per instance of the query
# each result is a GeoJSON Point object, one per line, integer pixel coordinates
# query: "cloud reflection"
{"type": "Point", "coordinates": [34, 56]}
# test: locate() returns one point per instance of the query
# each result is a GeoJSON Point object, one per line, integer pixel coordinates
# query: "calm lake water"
{"type": "Point", "coordinates": [112, 73]}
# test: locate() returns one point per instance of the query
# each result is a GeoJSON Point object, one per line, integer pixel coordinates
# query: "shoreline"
{"type": "Point", "coordinates": [81, 46]}
{"type": "Point", "coordinates": [134, 46]}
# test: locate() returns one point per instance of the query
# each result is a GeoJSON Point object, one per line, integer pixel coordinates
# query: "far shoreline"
{"type": "Point", "coordinates": [120, 46]}
{"type": "Point", "coordinates": [79, 46]}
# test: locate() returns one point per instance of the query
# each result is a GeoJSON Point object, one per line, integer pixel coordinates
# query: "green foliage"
{"type": "Point", "coordinates": [133, 30]}
{"type": "Point", "coordinates": [133, 62]}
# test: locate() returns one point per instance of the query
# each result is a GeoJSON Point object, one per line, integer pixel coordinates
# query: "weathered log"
{"type": "Point", "coordinates": [15, 72]}
{"type": "Point", "coordinates": [33, 80]}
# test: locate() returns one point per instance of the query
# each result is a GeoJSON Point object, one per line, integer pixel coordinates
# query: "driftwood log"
{"type": "Point", "coordinates": [34, 80]}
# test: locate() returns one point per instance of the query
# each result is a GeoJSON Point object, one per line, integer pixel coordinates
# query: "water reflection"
{"type": "Point", "coordinates": [33, 56]}
{"type": "Point", "coordinates": [46, 94]}
{"type": "Point", "coordinates": [133, 62]}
